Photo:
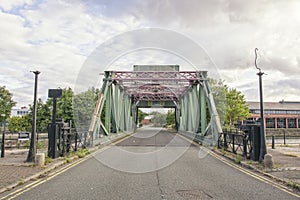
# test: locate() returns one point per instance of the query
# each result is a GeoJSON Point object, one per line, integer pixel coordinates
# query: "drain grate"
{"type": "Point", "coordinates": [194, 194]}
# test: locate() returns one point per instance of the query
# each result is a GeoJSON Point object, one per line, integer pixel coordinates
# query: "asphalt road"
{"type": "Point", "coordinates": [145, 166]}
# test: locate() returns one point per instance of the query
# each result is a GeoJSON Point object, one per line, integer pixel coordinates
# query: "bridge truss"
{"type": "Point", "coordinates": [123, 92]}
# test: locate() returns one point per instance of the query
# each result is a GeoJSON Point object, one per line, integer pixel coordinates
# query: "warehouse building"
{"type": "Point", "coordinates": [282, 114]}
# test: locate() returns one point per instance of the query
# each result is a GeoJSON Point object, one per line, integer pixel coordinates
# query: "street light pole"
{"type": "Point", "coordinates": [263, 147]}
{"type": "Point", "coordinates": [32, 149]}
{"type": "Point", "coordinates": [3, 139]}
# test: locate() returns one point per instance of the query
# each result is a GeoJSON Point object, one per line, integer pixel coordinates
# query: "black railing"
{"type": "Point", "coordinates": [69, 142]}
{"type": "Point", "coordinates": [237, 142]}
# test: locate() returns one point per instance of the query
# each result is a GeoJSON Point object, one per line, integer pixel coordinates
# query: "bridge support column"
{"type": "Point", "coordinates": [202, 109]}
{"type": "Point", "coordinates": [108, 109]}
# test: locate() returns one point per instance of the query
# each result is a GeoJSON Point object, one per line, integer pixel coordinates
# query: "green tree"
{"type": "Point", "coordinates": [16, 124]}
{"type": "Point", "coordinates": [219, 90]}
{"type": "Point", "coordinates": [43, 116]}
{"type": "Point", "coordinates": [236, 108]}
{"type": "Point", "coordinates": [158, 118]}
{"type": "Point", "coordinates": [141, 115]}
{"type": "Point", "coordinates": [170, 119]}
{"type": "Point", "coordinates": [84, 105]}
{"type": "Point", "coordinates": [6, 103]}
{"type": "Point", "coordinates": [64, 105]}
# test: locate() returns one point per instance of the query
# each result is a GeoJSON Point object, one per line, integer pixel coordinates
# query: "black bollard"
{"type": "Point", "coordinates": [273, 142]}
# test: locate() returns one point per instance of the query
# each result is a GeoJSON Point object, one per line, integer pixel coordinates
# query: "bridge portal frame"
{"type": "Point", "coordinates": [123, 92]}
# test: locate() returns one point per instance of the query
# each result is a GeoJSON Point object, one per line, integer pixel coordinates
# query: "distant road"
{"type": "Point", "coordinates": [195, 175]}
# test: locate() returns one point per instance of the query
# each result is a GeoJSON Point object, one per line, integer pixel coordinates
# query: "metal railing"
{"type": "Point", "coordinates": [69, 142]}
{"type": "Point", "coordinates": [236, 141]}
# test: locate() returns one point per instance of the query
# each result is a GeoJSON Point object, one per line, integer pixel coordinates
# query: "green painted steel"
{"type": "Point", "coordinates": [121, 108]}
{"type": "Point", "coordinates": [203, 122]}
{"type": "Point", "coordinates": [108, 109]}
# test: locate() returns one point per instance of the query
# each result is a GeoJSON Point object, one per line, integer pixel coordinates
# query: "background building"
{"type": "Point", "coordinates": [282, 114]}
{"type": "Point", "coordinates": [19, 111]}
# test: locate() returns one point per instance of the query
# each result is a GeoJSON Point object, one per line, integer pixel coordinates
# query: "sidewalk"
{"type": "Point", "coordinates": [15, 171]}
{"type": "Point", "coordinates": [286, 163]}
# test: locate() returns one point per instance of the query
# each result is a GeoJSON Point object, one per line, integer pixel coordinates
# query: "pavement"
{"type": "Point", "coordinates": [286, 163]}
{"type": "Point", "coordinates": [15, 171]}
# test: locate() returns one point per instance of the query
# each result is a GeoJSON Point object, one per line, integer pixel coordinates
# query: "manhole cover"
{"type": "Point", "coordinates": [193, 194]}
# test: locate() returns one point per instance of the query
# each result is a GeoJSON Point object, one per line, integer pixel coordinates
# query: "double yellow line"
{"type": "Point", "coordinates": [38, 182]}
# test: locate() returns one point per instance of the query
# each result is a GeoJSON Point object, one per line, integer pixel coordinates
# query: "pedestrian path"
{"type": "Point", "coordinates": [286, 161]}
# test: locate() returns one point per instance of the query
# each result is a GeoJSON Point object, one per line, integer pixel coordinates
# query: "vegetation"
{"type": "Point", "coordinates": [293, 184]}
{"type": "Point", "coordinates": [6, 103]}
{"type": "Point", "coordinates": [158, 118]}
{"type": "Point", "coordinates": [79, 108]}
{"type": "Point", "coordinates": [236, 108]}
{"type": "Point", "coordinates": [17, 124]}
{"type": "Point", "coordinates": [141, 116]}
{"type": "Point", "coordinates": [230, 103]}
{"type": "Point", "coordinates": [48, 160]}
{"type": "Point", "coordinates": [82, 153]}
{"type": "Point", "coordinates": [84, 105]}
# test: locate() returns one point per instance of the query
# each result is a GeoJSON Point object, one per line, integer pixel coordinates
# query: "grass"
{"type": "Point", "coordinates": [68, 160]}
{"type": "Point", "coordinates": [20, 183]}
{"type": "Point", "coordinates": [48, 160]}
{"type": "Point", "coordinates": [293, 184]}
{"type": "Point", "coordinates": [249, 162]}
{"type": "Point", "coordinates": [223, 151]}
{"type": "Point", "coordinates": [290, 154]}
{"type": "Point", "coordinates": [82, 153]}
{"type": "Point", "coordinates": [238, 158]}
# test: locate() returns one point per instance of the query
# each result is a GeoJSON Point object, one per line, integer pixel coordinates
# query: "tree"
{"type": "Point", "coordinates": [219, 90]}
{"type": "Point", "coordinates": [6, 103]}
{"type": "Point", "coordinates": [170, 119]}
{"type": "Point", "coordinates": [236, 108]}
{"type": "Point", "coordinates": [84, 105]}
{"type": "Point", "coordinates": [141, 116]}
{"type": "Point", "coordinates": [16, 124]}
{"type": "Point", "coordinates": [158, 118]}
{"type": "Point", "coordinates": [64, 105]}
{"type": "Point", "coordinates": [43, 116]}
{"type": "Point", "coordinates": [230, 103]}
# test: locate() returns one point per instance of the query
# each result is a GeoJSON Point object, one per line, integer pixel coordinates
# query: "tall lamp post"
{"type": "Point", "coordinates": [263, 148]}
{"type": "Point", "coordinates": [32, 149]}
{"type": "Point", "coordinates": [3, 139]}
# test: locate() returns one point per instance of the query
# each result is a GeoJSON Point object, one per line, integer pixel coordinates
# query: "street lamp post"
{"type": "Point", "coordinates": [3, 139]}
{"type": "Point", "coordinates": [32, 149]}
{"type": "Point", "coordinates": [263, 148]}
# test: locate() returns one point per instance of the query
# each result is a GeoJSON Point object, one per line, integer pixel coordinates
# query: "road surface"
{"type": "Point", "coordinates": [113, 174]}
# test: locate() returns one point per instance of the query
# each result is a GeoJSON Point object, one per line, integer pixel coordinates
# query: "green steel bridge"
{"type": "Point", "coordinates": [155, 86]}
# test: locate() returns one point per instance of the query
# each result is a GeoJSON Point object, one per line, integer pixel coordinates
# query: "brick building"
{"type": "Point", "coordinates": [282, 114]}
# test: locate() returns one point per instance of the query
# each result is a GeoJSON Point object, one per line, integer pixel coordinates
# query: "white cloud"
{"type": "Point", "coordinates": [52, 37]}
{"type": "Point", "coordinates": [9, 5]}
{"type": "Point", "coordinates": [55, 37]}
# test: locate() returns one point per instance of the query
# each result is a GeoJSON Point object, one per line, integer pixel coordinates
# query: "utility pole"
{"type": "Point", "coordinates": [3, 138]}
{"type": "Point", "coordinates": [32, 149]}
{"type": "Point", "coordinates": [263, 147]}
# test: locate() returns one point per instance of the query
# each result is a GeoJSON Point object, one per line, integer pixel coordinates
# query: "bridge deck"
{"type": "Point", "coordinates": [155, 137]}
{"type": "Point", "coordinates": [194, 175]}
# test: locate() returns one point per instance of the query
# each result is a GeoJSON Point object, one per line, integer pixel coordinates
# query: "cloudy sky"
{"type": "Point", "coordinates": [58, 37]}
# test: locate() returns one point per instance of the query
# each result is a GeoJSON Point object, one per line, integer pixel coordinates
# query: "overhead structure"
{"type": "Point", "coordinates": [163, 86]}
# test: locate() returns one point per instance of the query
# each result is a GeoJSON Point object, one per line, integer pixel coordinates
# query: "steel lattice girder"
{"type": "Point", "coordinates": [156, 85]}
{"type": "Point", "coordinates": [157, 75]}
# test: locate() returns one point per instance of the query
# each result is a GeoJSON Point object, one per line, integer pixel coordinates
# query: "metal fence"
{"type": "Point", "coordinates": [237, 142]}
{"type": "Point", "coordinates": [22, 141]}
